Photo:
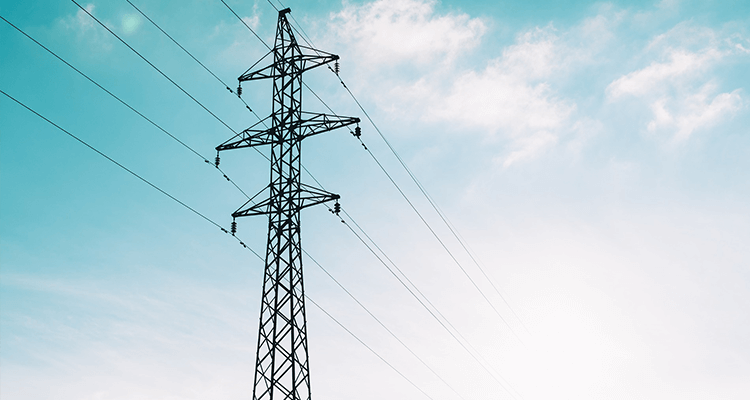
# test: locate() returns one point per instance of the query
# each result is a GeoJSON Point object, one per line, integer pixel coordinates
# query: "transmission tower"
{"type": "Point", "coordinates": [282, 369]}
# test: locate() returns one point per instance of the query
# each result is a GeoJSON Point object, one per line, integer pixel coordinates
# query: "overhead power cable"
{"type": "Point", "coordinates": [367, 310]}
{"type": "Point", "coordinates": [146, 181]}
{"type": "Point", "coordinates": [193, 151]}
{"type": "Point", "coordinates": [424, 192]}
{"type": "Point", "coordinates": [188, 54]}
{"type": "Point", "coordinates": [223, 83]}
{"type": "Point", "coordinates": [450, 253]}
{"type": "Point", "coordinates": [368, 347]}
{"type": "Point", "coordinates": [152, 65]}
{"type": "Point", "coordinates": [209, 220]}
{"type": "Point", "coordinates": [197, 154]}
{"type": "Point", "coordinates": [430, 311]}
{"type": "Point", "coordinates": [191, 56]}
{"type": "Point", "coordinates": [163, 74]}
{"type": "Point", "coordinates": [313, 177]}
{"type": "Point", "coordinates": [442, 216]}
{"type": "Point", "coordinates": [246, 25]}
{"type": "Point", "coordinates": [416, 288]}
{"type": "Point", "coordinates": [131, 108]}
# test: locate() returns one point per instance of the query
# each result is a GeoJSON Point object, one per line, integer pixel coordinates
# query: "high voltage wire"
{"type": "Point", "coordinates": [152, 65]}
{"type": "Point", "coordinates": [367, 310]}
{"type": "Point", "coordinates": [419, 185]}
{"type": "Point", "coordinates": [441, 242]}
{"type": "Point", "coordinates": [209, 220]}
{"type": "Point", "coordinates": [442, 217]}
{"type": "Point", "coordinates": [368, 347]}
{"type": "Point", "coordinates": [416, 288]}
{"type": "Point", "coordinates": [195, 152]}
{"type": "Point", "coordinates": [191, 56]}
{"type": "Point", "coordinates": [199, 155]}
{"type": "Point", "coordinates": [162, 191]}
{"type": "Point", "coordinates": [123, 102]}
{"type": "Point", "coordinates": [246, 25]}
{"type": "Point", "coordinates": [179, 87]}
{"type": "Point", "coordinates": [202, 65]}
{"type": "Point", "coordinates": [206, 161]}
{"type": "Point", "coordinates": [428, 309]}
{"type": "Point", "coordinates": [313, 177]}
{"type": "Point", "coordinates": [163, 74]}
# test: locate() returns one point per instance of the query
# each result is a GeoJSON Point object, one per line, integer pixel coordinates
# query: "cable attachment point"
{"type": "Point", "coordinates": [336, 67]}
{"type": "Point", "coordinates": [234, 227]}
{"type": "Point", "coordinates": [337, 208]}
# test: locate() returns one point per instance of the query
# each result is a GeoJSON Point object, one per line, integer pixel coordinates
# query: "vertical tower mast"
{"type": "Point", "coordinates": [282, 370]}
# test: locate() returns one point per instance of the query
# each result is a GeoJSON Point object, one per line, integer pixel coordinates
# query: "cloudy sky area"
{"type": "Point", "coordinates": [595, 156]}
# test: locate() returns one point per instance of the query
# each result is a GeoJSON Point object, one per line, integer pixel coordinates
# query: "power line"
{"type": "Point", "coordinates": [165, 76]}
{"type": "Point", "coordinates": [427, 308]}
{"type": "Point", "coordinates": [440, 213]}
{"type": "Point", "coordinates": [246, 25]}
{"type": "Point", "coordinates": [368, 347]}
{"type": "Point", "coordinates": [416, 288]}
{"type": "Point", "coordinates": [424, 192]}
{"type": "Point", "coordinates": [203, 216]}
{"type": "Point", "coordinates": [166, 132]}
{"type": "Point", "coordinates": [191, 56]}
{"type": "Point", "coordinates": [123, 102]}
{"type": "Point", "coordinates": [382, 324]}
{"type": "Point", "coordinates": [441, 242]}
{"type": "Point", "coordinates": [200, 156]}
{"type": "Point", "coordinates": [146, 181]}
{"type": "Point", "coordinates": [210, 72]}
{"type": "Point", "coordinates": [153, 66]}
{"type": "Point", "coordinates": [422, 189]}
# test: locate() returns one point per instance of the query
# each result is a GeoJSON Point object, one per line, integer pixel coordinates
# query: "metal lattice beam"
{"type": "Point", "coordinates": [282, 369]}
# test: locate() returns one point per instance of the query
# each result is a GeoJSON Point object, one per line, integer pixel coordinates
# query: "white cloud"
{"type": "Point", "coordinates": [253, 22]}
{"type": "Point", "coordinates": [87, 29]}
{"type": "Point", "coordinates": [503, 100]}
{"type": "Point", "coordinates": [510, 99]}
{"type": "Point", "coordinates": [699, 110]}
{"type": "Point", "coordinates": [395, 31]}
{"type": "Point", "coordinates": [658, 76]}
{"type": "Point", "coordinates": [680, 87]}
{"type": "Point", "coordinates": [522, 98]}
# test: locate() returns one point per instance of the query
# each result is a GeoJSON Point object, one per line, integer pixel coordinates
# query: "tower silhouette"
{"type": "Point", "coordinates": [282, 369]}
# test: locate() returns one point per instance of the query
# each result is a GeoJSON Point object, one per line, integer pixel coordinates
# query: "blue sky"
{"type": "Point", "coordinates": [594, 156]}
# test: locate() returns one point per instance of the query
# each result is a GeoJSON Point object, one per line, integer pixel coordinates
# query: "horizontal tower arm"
{"type": "Point", "coordinates": [311, 124]}
{"type": "Point", "coordinates": [308, 197]}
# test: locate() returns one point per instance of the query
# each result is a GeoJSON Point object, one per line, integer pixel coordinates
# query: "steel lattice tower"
{"type": "Point", "coordinates": [282, 369]}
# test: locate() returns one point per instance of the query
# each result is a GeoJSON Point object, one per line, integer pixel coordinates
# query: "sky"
{"type": "Point", "coordinates": [593, 156]}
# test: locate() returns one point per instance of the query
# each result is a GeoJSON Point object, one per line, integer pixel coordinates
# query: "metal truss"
{"type": "Point", "coordinates": [282, 369]}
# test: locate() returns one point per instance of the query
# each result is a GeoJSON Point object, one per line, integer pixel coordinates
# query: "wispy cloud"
{"type": "Point", "coordinates": [520, 99]}
{"type": "Point", "coordinates": [513, 99]}
{"type": "Point", "coordinates": [406, 31]}
{"type": "Point", "coordinates": [86, 29]}
{"type": "Point", "coordinates": [680, 86]}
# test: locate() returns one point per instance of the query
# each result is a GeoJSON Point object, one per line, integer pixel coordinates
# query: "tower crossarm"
{"type": "Point", "coordinates": [311, 124]}
{"type": "Point", "coordinates": [308, 196]}
{"type": "Point", "coordinates": [319, 123]}
{"type": "Point", "coordinates": [306, 62]}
